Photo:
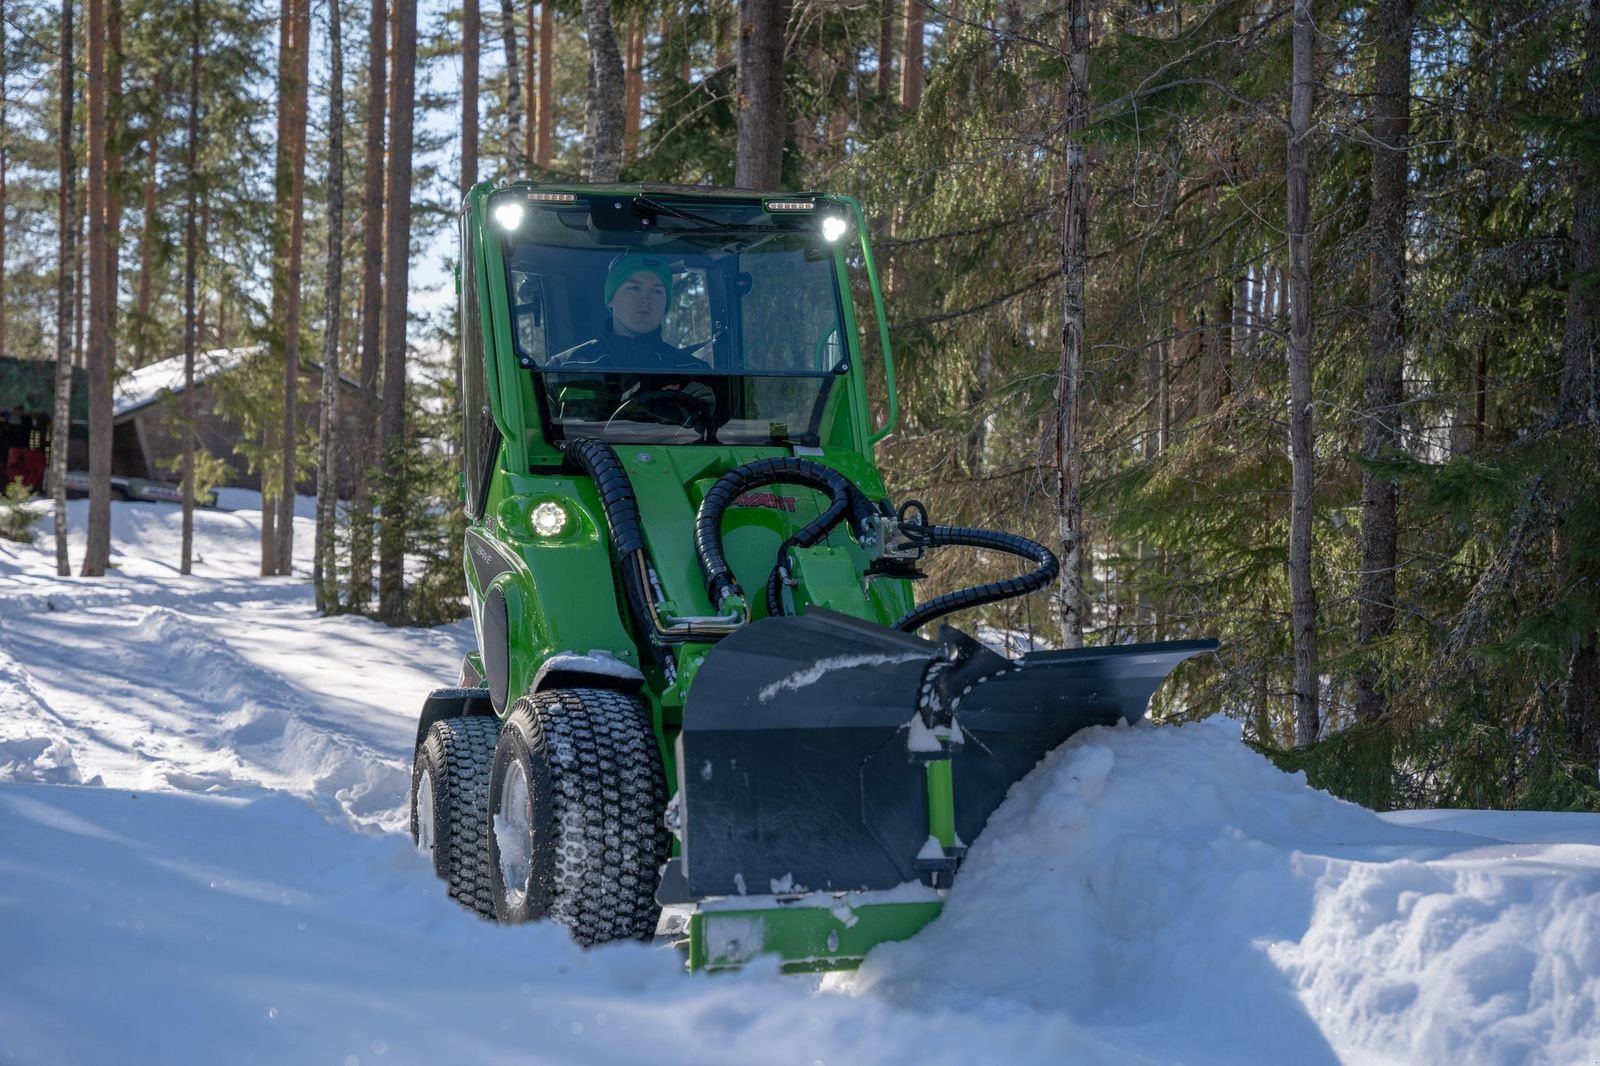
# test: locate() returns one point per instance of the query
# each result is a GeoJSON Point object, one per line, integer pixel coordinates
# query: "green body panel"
{"type": "Point", "coordinates": [808, 938]}
{"type": "Point", "coordinates": [542, 574]}
{"type": "Point", "coordinates": [563, 595]}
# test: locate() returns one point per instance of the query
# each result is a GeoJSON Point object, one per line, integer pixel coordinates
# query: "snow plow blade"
{"type": "Point", "coordinates": [810, 757]}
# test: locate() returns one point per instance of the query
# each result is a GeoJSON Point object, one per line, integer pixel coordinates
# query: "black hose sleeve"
{"type": "Point", "coordinates": [952, 536]}
{"type": "Point", "coordinates": [708, 521]}
{"type": "Point", "coordinates": [600, 463]}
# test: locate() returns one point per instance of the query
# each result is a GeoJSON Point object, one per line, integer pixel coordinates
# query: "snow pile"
{"type": "Point", "coordinates": [1175, 886]}
{"type": "Point", "coordinates": [238, 888]}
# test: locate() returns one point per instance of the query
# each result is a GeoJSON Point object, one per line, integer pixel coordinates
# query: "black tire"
{"type": "Point", "coordinates": [453, 766]}
{"type": "Point", "coordinates": [581, 839]}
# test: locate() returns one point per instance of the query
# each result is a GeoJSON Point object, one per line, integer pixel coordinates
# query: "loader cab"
{"type": "Point", "coordinates": [754, 345]}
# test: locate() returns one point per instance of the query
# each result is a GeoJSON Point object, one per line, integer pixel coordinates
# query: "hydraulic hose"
{"type": "Point", "coordinates": [954, 536]}
{"type": "Point", "coordinates": [844, 497]}
{"type": "Point", "coordinates": [621, 508]}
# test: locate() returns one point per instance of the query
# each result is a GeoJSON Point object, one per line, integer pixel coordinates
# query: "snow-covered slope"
{"type": "Point", "coordinates": [235, 885]}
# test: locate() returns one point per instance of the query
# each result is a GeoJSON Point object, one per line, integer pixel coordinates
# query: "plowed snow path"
{"type": "Point", "coordinates": [148, 681]}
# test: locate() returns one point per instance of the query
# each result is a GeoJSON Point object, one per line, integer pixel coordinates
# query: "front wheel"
{"type": "Point", "coordinates": [576, 797]}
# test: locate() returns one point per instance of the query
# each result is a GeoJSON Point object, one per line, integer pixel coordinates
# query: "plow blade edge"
{"type": "Point", "coordinates": [803, 764]}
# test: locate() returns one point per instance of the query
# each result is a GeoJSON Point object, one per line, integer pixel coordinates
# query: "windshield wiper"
{"type": "Point", "coordinates": [677, 212]}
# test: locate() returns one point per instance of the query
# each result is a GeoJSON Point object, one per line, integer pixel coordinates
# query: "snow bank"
{"type": "Point", "coordinates": [1170, 884]}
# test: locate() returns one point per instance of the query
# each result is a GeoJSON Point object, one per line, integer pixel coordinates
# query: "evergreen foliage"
{"type": "Point", "coordinates": [17, 519]}
{"type": "Point", "coordinates": [1186, 492]}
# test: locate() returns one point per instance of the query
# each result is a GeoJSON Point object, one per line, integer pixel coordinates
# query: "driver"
{"type": "Point", "coordinates": [638, 293]}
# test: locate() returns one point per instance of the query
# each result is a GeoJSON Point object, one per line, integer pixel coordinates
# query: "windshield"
{"type": "Point", "coordinates": [722, 327]}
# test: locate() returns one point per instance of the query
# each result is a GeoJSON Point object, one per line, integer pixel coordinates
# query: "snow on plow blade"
{"type": "Point", "coordinates": [804, 760]}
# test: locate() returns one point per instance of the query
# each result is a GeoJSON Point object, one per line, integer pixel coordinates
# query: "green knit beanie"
{"type": "Point", "coordinates": [626, 266]}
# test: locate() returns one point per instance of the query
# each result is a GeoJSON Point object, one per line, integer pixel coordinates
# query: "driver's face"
{"type": "Point", "coordinates": [639, 305]}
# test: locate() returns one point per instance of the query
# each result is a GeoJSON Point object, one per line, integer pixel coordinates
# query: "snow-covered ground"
{"type": "Point", "coordinates": [202, 859]}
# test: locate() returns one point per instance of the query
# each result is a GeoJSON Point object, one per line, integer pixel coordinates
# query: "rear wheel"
{"type": "Point", "coordinates": [577, 795]}
{"type": "Point", "coordinates": [450, 805]}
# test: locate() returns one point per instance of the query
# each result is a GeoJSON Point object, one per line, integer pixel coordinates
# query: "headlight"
{"type": "Point", "coordinates": [549, 519]}
{"type": "Point", "coordinates": [508, 213]}
{"type": "Point", "coordinates": [833, 227]}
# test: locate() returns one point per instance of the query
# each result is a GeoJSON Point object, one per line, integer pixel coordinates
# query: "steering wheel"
{"type": "Point", "coordinates": [688, 412]}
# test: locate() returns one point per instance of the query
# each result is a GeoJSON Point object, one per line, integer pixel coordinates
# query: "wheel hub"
{"type": "Point", "coordinates": [513, 834]}
{"type": "Point", "coordinates": [425, 830]}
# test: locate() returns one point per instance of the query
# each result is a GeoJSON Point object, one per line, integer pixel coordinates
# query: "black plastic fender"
{"type": "Point", "coordinates": [446, 703]}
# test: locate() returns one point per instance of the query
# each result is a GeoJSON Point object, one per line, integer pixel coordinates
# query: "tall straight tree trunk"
{"type": "Point", "coordinates": [147, 236]}
{"type": "Point", "coordinates": [1580, 390]}
{"type": "Point", "coordinates": [191, 255]}
{"type": "Point", "coordinates": [325, 569]}
{"type": "Point", "coordinates": [547, 62]}
{"type": "Point", "coordinates": [293, 214]}
{"type": "Point", "coordinates": [911, 70]}
{"type": "Point", "coordinates": [634, 102]}
{"type": "Point", "coordinates": [885, 50]}
{"type": "Point", "coordinates": [1580, 399]}
{"type": "Point", "coordinates": [391, 552]}
{"type": "Point", "coordinates": [1069, 376]}
{"type": "Point", "coordinates": [2, 182]}
{"type": "Point", "coordinates": [67, 228]}
{"type": "Point", "coordinates": [603, 110]}
{"type": "Point", "coordinates": [471, 32]}
{"type": "Point", "coordinates": [508, 37]}
{"type": "Point", "coordinates": [530, 145]}
{"type": "Point", "coordinates": [98, 356]}
{"type": "Point", "coordinates": [364, 455]}
{"type": "Point", "coordinates": [758, 160]}
{"type": "Point", "coordinates": [1386, 339]}
{"type": "Point", "coordinates": [113, 156]}
{"type": "Point", "coordinates": [1303, 596]}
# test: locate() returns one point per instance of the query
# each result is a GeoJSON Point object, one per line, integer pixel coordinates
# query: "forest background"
{"type": "Point", "coordinates": [1277, 320]}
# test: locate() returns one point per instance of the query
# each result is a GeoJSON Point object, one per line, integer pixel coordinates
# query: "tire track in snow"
{"type": "Point", "coordinates": [168, 703]}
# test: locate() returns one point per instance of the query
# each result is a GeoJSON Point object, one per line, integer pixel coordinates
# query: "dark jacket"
{"type": "Point", "coordinates": [611, 352]}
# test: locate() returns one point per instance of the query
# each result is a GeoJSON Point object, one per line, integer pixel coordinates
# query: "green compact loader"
{"type": "Point", "coordinates": [699, 683]}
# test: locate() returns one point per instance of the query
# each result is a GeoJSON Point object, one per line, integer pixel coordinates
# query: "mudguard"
{"type": "Point", "coordinates": [805, 745]}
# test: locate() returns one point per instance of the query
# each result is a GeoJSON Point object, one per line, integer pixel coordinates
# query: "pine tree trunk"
{"type": "Point", "coordinates": [885, 50]}
{"type": "Point", "coordinates": [1580, 391]}
{"type": "Point", "coordinates": [191, 253]}
{"type": "Point", "coordinates": [530, 145]}
{"type": "Point", "coordinates": [1303, 597]}
{"type": "Point", "coordinates": [758, 161]}
{"type": "Point", "coordinates": [633, 104]}
{"type": "Point", "coordinates": [98, 355]}
{"type": "Point", "coordinates": [325, 570]}
{"type": "Point", "coordinates": [299, 11]}
{"type": "Point", "coordinates": [3, 139]}
{"type": "Point", "coordinates": [147, 236]}
{"type": "Point", "coordinates": [391, 552]}
{"type": "Point", "coordinates": [603, 110]}
{"type": "Point", "coordinates": [1069, 377]}
{"type": "Point", "coordinates": [471, 33]}
{"type": "Point", "coordinates": [364, 455]}
{"type": "Point", "coordinates": [508, 37]}
{"type": "Point", "coordinates": [113, 157]}
{"type": "Point", "coordinates": [67, 227]}
{"type": "Point", "coordinates": [911, 71]}
{"type": "Point", "coordinates": [547, 118]}
{"type": "Point", "coordinates": [1386, 340]}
